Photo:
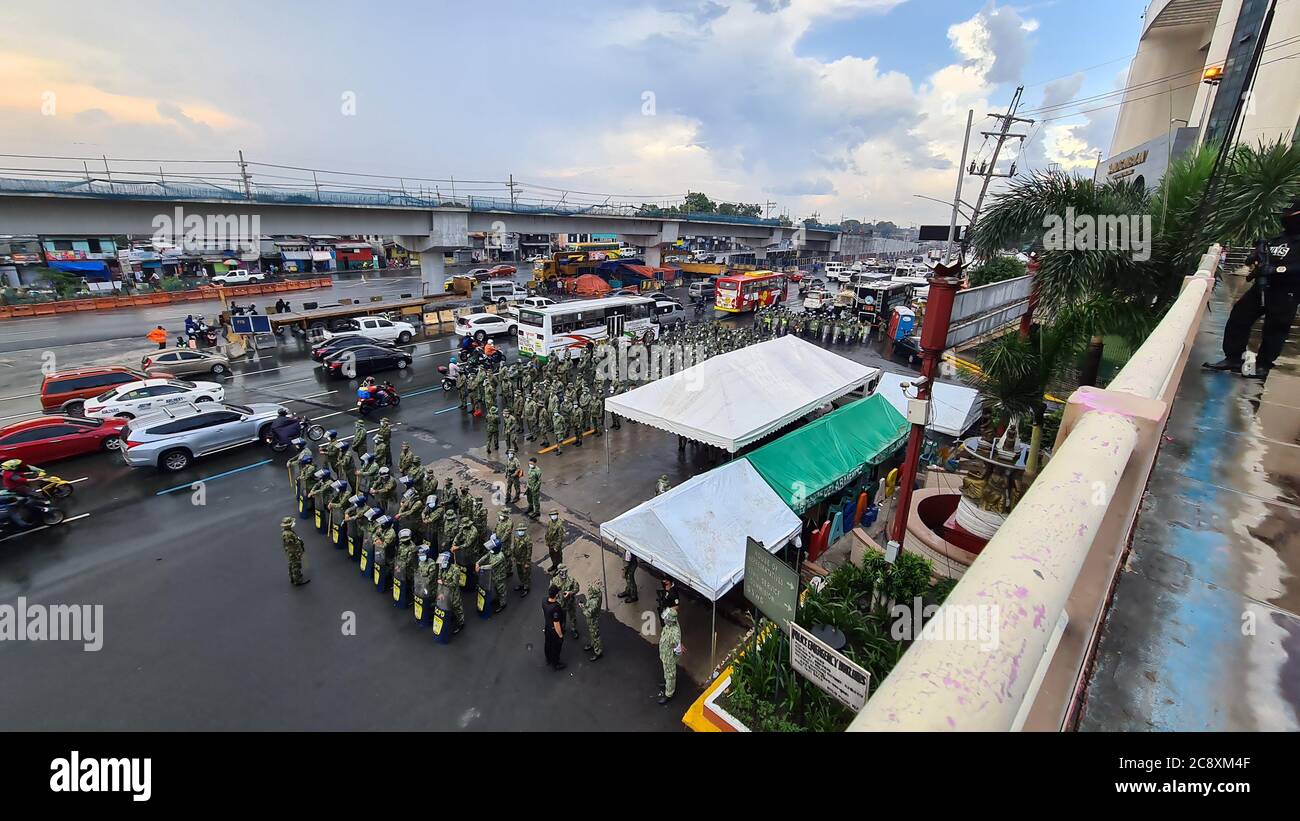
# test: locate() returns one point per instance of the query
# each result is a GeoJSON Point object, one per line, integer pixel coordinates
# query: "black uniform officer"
{"type": "Point", "coordinates": [1275, 278]}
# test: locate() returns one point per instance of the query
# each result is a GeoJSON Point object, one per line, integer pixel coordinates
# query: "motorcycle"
{"type": "Point", "coordinates": [384, 396]}
{"type": "Point", "coordinates": [311, 430]}
{"type": "Point", "coordinates": [25, 512]}
{"type": "Point", "coordinates": [49, 485]}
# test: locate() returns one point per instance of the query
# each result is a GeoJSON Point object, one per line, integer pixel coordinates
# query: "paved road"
{"type": "Point", "coordinates": [203, 632]}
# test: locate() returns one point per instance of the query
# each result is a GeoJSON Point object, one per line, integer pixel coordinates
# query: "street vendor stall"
{"type": "Point", "coordinates": [734, 399]}
{"type": "Point", "coordinates": [809, 464]}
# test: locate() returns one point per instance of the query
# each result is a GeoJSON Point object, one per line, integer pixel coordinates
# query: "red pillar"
{"type": "Point", "coordinates": [1027, 321]}
{"type": "Point", "coordinates": [934, 335]}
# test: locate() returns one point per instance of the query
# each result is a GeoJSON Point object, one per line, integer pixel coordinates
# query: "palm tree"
{"type": "Point", "coordinates": [1015, 374]}
{"type": "Point", "coordinates": [1111, 291]}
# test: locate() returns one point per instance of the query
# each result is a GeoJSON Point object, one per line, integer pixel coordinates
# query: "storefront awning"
{"type": "Point", "coordinates": [696, 531]}
{"type": "Point", "coordinates": [808, 465]}
{"type": "Point", "coordinates": [90, 269]}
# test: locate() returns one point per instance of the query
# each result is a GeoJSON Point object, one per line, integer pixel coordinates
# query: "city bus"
{"type": "Point", "coordinates": [567, 327]}
{"type": "Point", "coordinates": [749, 291]}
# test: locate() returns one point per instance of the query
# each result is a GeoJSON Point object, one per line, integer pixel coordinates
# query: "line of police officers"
{"type": "Point", "coordinates": [429, 538]}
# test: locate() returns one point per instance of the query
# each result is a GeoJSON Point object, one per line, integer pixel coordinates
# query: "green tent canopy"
{"type": "Point", "coordinates": [809, 464]}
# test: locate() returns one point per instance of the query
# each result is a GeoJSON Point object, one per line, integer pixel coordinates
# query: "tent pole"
{"type": "Point", "coordinates": [713, 649]}
{"type": "Point", "coordinates": [603, 578]}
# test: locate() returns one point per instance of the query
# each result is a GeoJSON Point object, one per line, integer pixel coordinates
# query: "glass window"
{"type": "Point", "coordinates": [32, 435]}
{"type": "Point", "coordinates": [725, 285]}
{"type": "Point", "coordinates": [530, 318]}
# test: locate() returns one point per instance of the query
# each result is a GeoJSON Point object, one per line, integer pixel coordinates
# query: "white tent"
{"type": "Point", "coordinates": [696, 531]}
{"type": "Point", "coordinates": [737, 398]}
{"type": "Point", "coordinates": [953, 408]}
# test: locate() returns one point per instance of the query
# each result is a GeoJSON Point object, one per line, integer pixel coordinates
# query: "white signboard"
{"type": "Point", "coordinates": [838, 677]}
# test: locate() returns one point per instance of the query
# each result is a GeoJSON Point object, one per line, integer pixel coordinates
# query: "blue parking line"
{"type": "Point", "coordinates": [189, 485]}
{"type": "Point", "coordinates": [426, 390]}
{"type": "Point", "coordinates": [446, 410]}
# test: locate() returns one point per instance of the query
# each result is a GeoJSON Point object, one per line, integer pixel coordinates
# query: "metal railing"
{"type": "Point", "coordinates": [1085, 500]}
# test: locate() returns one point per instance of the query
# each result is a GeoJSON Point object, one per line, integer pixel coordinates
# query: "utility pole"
{"type": "Point", "coordinates": [512, 190]}
{"type": "Point", "coordinates": [243, 173]}
{"type": "Point", "coordinates": [989, 170]}
{"type": "Point", "coordinates": [767, 209]}
{"type": "Point", "coordinates": [961, 176]}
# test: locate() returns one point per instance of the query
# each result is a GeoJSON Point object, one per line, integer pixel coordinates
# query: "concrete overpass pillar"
{"type": "Point", "coordinates": [433, 270]}
{"type": "Point", "coordinates": [654, 256]}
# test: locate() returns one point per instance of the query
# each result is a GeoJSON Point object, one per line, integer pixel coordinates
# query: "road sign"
{"type": "Point", "coordinates": [838, 677]}
{"type": "Point", "coordinates": [939, 233]}
{"type": "Point", "coordinates": [770, 585]}
{"type": "Point", "coordinates": [982, 310]}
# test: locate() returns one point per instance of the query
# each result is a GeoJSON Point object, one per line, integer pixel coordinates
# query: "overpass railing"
{"type": "Point", "coordinates": [1039, 587]}
{"type": "Point", "coordinates": [263, 193]}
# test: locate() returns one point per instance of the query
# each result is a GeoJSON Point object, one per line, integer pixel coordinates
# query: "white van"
{"type": "Point", "coordinates": [836, 272]}
{"type": "Point", "coordinates": [502, 291]}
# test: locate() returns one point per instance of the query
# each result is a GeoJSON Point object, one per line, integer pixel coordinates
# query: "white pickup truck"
{"type": "Point", "coordinates": [377, 328]}
{"type": "Point", "coordinates": [530, 302]}
{"type": "Point", "coordinates": [238, 277]}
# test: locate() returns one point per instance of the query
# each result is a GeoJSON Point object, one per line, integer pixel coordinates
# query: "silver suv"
{"type": "Point", "coordinates": [174, 437]}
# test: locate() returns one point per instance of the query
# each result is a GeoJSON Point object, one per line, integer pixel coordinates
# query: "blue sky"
{"type": "Point", "coordinates": [833, 107]}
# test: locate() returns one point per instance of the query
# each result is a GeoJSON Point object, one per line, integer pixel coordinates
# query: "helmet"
{"type": "Point", "coordinates": [444, 559]}
{"type": "Point", "coordinates": [384, 471]}
{"type": "Point", "coordinates": [282, 412]}
{"type": "Point", "coordinates": [562, 570]}
{"type": "Point", "coordinates": [12, 464]}
{"type": "Point", "coordinates": [356, 501]}
{"type": "Point", "coordinates": [304, 458]}
{"type": "Point", "coordinates": [367, 457]}
{"type": "Point", "coordinates": [338, 484]}
{"type": "Point", "coordinates": [342, 446]}
{"type": "Point", "coordinates": [333, 434]}
{"type": "Point", "coordinates": [409, 494]}
{"type": "Point", "coordinates": [423, 553]}
{"type": "Point", "coordinates": [287, 521]}
{"type": "Point", "coordinates": [372, 513]}
{"type": "Point", "coordinates": [431, 501]}
{"type": "Point", "coordinates": [319, 474]}
{"type": "Point", "coordinates": [297, 442]}
{"type": "Point", "coordinates": [382, 521]}
{"type": "Point", "coordinates": [406, 480]}
{"type": "Point", "coordinates": [404, 533]}
{"type": "Point", "coordinates": [329, 474]}
{"type": "Point", "coordinates": [454, 360]}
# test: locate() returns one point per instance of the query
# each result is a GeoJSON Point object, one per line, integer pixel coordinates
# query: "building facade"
{"type": "Point", "coordinates": [1189, 71]}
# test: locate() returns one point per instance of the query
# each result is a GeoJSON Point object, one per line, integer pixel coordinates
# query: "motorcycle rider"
{"type": "Point", "coordinates": [285, 428]}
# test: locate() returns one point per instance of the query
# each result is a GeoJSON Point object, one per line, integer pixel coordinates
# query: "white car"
{"type": "Point", "coordinates": [481, 326]}
{"type": "Point", "coordinates": [149, 396]}
{"type": "Point", "coordinates": [237, 277]}
{"type": "Point", "coordinates": [378, 328]}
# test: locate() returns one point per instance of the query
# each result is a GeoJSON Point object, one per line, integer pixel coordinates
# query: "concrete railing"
{"type": "Point", "coordinates": [1041, 584]}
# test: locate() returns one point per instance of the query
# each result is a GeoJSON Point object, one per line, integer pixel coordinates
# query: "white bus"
{"type": "Point", "coordinates": [568, 327]}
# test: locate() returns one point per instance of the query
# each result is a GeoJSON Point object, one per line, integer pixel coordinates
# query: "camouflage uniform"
{"type": "Point", "coordinates": [383, 489]}
{"type": "Point", "coordinates": [496, 563]}
{"type": "Point", "coordinates": [591, 612]}
{"type": "Point", "coordinates": [359, 439]}
{"type": "Point", "coordinates": [596, 413]}
{"type": "Point", "coordinates": [567, 597]}
{"type": "Point", "coordinates": [530, 418]}
{"type": "Point", "coordinates": [430, 523]}
{"type": "Point", "coordinates": [383, 454]}
{"type": "Point", "coordinates": [558, 427]}
{"type": "Point", "coordinates": [450, 579]}
{"type": "Point", "coordinates": [511, 429]}
{"type": "Point", "coordinates": [293, 550]}
{"type": "Point", "coordinates": [555, 543]}
{"type": "Point", "coordinates": [521, 551]}
{"type": "Point", "coordinates": [404, 567]}
{"type": "Point", "coordinates": [404, 459]}
{"type": "Point", "coordinates": [408, 510]}
{"type": "Point", "coordinates": [512, 479]}
{"type": "Point", "coordinates": [669, 637]}
{"type": "Point", "coordinates": [534, 486]}
{"type": "Point", "coordinates": [493, 429]}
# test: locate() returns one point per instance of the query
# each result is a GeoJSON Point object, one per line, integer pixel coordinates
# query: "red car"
{"type": "Point", "coordinates": [502, 271]}
{"type": "Point", "coordinates": [49, 438]}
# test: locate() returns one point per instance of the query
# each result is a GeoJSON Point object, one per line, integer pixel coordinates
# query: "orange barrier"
{"type": "Point", "coordinates": [162, 298]}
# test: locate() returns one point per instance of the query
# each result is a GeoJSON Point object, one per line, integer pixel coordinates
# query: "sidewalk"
{"type": "Point", "coordinates": [1203, 632]}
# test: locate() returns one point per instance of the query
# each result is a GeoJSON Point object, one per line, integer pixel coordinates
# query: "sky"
{"type": "Point", "coordinates": [834, 108]}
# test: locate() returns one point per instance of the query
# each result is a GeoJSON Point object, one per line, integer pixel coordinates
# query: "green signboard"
{"type": "Point", "coordinates": [770, 585]}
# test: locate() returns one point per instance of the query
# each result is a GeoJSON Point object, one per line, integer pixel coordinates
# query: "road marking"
{"type": "Point", "coordinates": [20, 396]}
{"type": "Point", "coordinates": [282, 384]}
{"type": "Point", "coordinates": [313, 396]}
{"type": "Point", "coordinates": [426, 390]}
{"type": "Point", "coordinates": [27, 415]}
{"type": "Point", "coordinates": [435, 353]}
{"type": "Point", "coordinates": [44, 527]}
{"type": "Point", "coordinates": [446, 410]}
{"type": "Point", "coordinates": [74, 481]}
{"type": "Point", "coordinates": [568, 441]}
{"type": "Point", "coordinates": [189, 485]}
{"type": "Point", "coordinates": [252, 373]}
